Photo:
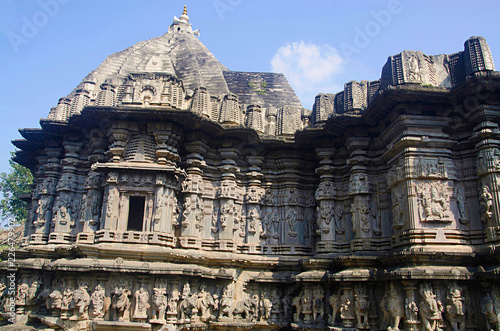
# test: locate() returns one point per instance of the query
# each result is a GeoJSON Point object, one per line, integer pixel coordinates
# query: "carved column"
{"type": "Point", "coordinates": [66, 206]}
{"type": "Point", "coordinates": [111, 203]}
{"type": "Point", "coordinates": [166, 211]}
{"type": "Point", "coordinates": [91, 203]}
{"type": "Point", "coordinates": [329, 215]}
{"type": "Point", "coordinates": [192, 222]}
{"type": "Point", "coordinates": [411, 306]}
{"type": "Point", "coordinates": [291, 203]}
{"type": "Point", "coordinates": [47, 195]}
{"type": "Point", "coordinates": [232, 223]}
{"type": "Point", "coordinates": [488, 170]}
{"type": "Point", "coordinates": [347, 305]}
{"type": "Point", "coordinates": [90, 209]}
{"type": "Point", "coordinates": [255, 226]}
{"type": "Point", "coordinates": [306, 303]}
{"type": "Point", "coordinates": [359, 190]}
{"type": "Point", "coordinates": [167, 136]}
{"type": "Point", "coordinates": [119, 135]}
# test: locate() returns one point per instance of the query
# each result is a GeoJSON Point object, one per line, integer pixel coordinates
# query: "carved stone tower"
{"type": "Point", "coordinates": [174, 194]}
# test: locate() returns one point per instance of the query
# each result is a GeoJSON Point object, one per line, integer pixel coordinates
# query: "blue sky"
{"type": "Point", "coordinates": [48, 46]}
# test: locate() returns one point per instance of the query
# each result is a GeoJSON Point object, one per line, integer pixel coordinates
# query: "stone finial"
{"type": "Point", "coordinates": [184, 17]}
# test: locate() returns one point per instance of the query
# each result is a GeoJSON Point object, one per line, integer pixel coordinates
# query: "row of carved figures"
{"type": "Point", "coordinates": [352, 305]}
{"type": "Point", "coordinates": [167, 304]}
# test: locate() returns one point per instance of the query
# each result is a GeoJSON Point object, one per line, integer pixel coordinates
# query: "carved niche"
{"type": "Point", "coordinates": [433, 201]}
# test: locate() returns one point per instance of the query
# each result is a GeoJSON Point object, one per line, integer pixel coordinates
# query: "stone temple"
{"type": "Point", "coordinates": [172, 193]}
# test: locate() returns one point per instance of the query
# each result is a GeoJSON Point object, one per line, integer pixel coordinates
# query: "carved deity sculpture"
{"type": "Point", "coordinates": [172, 304]}
{"type": "Point", "coordinates": [83, 209]}
{"type": "Point", "coordinates": [186, 211]}
{"type": "Point", "coordinates": [490, 307]}
{"type": "Point", "coordinates": [141, 304]}
{"type": "Point", "coordinates": [97, 299]}
{"type": "Point", "coordinates": [392, 307]}
{"type": "Point", "coordinates": [339, 227]}
{"type": "Point", "coordinates": [226, 303]}
{"type": "Point", "coordinates": [335, 303]}
{"type": "Point", "coordinates": [397, 208]}
{"type": "Point", "coordinates": [277, 306]}
{"type": "Point", "coordinates": [318, 305]}
{"type": "Point", "coordinates": [54, 301]}
{"type": "Point", "coordinates": [253, 304]}
{"type": "Point", "coordinates": [297, 303]}
{"type": "Point", "coordinates": [460, 196]}
{"type": "Point", "coordinates": [434, 201]}
{"type": "Point", "coordinates": [159, 305]}
{"type": "Point", "coordinates": [414, 74]}
{"type": "Point", "coordinates": [267, 226]}
{"type": "Point", "coordinates": [186, 304]}
{"type": "Point", "coordinates": [486, 204]}
{"type": "Point", "coordinates": [205, 303]}
{"type": "Point", "coordinates": [215, 216]}
{"type": "Point", "coordinates": [455, 310]}
{"type": "Point", "coordinates": [265, 306]}
{"type": "Point", "coordinates": [81, 300]}
{"type": "Point", "coordinates": [429, 309]}
{"type": "Point", "coordinates": [253, 221]}
{"type": "Point", "coordinates": [411, 310]}
{"type": "Point", "coordinates": [121, 303]}
{"type": "Point", "coordinates": [362, 306]}
{"type": "Point", "coordinates": [67, 302]}
{"type": "Point", "coordinates": [22, 294]}
{"type": "Point", "coordinates": [291, 220]}
{"type": "Point", "coordinates": [364, 216]}
{"type": "Point", "coordinates": [287, 305]}
{"type": "Point", "coordinates": [325, 215]}
{"type": "Point", "coordinates": [345, 308]}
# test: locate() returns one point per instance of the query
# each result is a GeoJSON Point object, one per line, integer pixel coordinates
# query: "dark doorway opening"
{"type": "Point", "coordinates": [136, 213]}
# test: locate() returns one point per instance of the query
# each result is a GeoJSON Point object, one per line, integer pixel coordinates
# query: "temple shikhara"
{"type": "Point", "coordinates": [174, 194]}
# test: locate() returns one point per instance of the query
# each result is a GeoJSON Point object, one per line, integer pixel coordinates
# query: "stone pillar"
{"type": "Point", "coordinates": [255, 226]}
{"type": "Point", "coordinates": [488, 170]}
{"type": "Point", "coordinates": [91, 204]}
{"type": "Point", "coordinates": [165, 216]}
{"type": "Point", "coordinates": [306, 304]}
{"type": "Point", "coordinates": [347, 305]}
{"type": "Point", "coordinates": [167, 136]}
{"type": "Point", "coordinates": [232, 223]}
{"type": "Point", "coordinates": [411, 306]}
{"type": "Point", "coordinates": [359, 190]}
{"type": "Point", "coordinates": [119, 136]}
{"type": "Point", "coordinates": [90, 209]}
{"type": "Point", "coordinates": [192, 213]}
{"type": "Point", "coordinates": [111, 204]}
{"type": "Point", "coordinates": [329, 221]}
{"type": "Point", "coordinates": [46, 190]}
{"type": "Point", "coordinates": [291, 203]}
{"type": "Point", "coordinates": [66, 209]}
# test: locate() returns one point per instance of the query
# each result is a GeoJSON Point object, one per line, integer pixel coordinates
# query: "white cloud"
{"type": "Point", "coordinates": [309, 68]}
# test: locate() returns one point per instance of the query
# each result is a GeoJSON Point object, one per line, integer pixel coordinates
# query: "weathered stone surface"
{"type": "Point", "coordinates": [174, 194]}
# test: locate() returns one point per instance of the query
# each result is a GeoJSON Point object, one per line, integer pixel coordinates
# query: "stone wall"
{"type": "Point", "coordinates": [155, 208]}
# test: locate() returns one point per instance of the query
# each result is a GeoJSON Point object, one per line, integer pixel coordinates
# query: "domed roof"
{"type": "Point", "coordinates": [176, 61]}
{"type": "Point", "coordinates": [178, 52]}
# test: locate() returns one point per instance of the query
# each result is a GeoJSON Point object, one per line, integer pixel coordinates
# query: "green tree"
{"type": "Point", "coordinates": [12, 185]}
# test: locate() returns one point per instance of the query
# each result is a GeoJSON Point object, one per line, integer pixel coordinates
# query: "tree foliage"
{"type": "Point", "coordinates": [12, 185]}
